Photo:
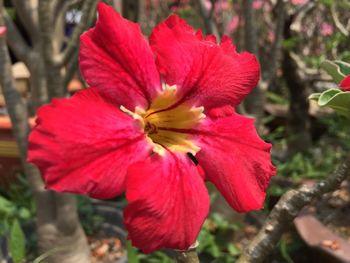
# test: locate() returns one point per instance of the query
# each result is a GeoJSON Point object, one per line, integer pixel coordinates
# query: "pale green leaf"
{"type": "Point", "coordinates": [333, 70]}
{"type": "Point", "coordinates": [344, 67]}
{"type": "Point", "coordinates": [315, 96]}
{"type": "Point", "coordinates": [132, 253]}
{"type": "Point", "coordinates": [336, 99]}
{"type": "Point", "coordinates": [7, 208]}
{"type": "Point", "coordinates": [17, 244]}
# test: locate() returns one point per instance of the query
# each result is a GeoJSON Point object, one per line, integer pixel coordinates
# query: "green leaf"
{"type": "Point", "coordinates": [284, 251]}
{"type": "Point", "coordinates": [344, 67]}
{"type": "Point", "coordinates": [233, 250]}
{"type": "Point", "coordinates": [333, 70]}
{"type": "Point", "coordinates": [53, 251]}
{"type": "Point", "coordinates": [327, 95]}
{"type": "Point", "coordinates": [7, 208]}
{"type": "Point", "coordinates": [337, 100]}
{"type": "Point", "coordinates": [17, 242]}
{"type": "Point", "coordinates": [132, 253]}
{"type": "Point", "coordinates": [315, 96]}
{"type": "Point", "coordinates": [327, 2]}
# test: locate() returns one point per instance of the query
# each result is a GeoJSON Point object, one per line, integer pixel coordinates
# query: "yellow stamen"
{"type": "Point", "coordinates": [166, 127]}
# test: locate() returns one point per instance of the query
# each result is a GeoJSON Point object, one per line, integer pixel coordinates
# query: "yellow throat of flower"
{"type": "Point", "coordinates": [165, 125]}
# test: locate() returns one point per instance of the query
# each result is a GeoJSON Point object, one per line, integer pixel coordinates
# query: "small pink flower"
{"type": "Point", "coordinates": [258, 4]}
{"type": "Point", "coordinates": [208, 5]}
{"type": "Point", "coordinates": [345, 84]}
{"type": "Point", "coordinates": [326, 29]}
{"type": "Point", "coordinates": [3, 30]}
{"type": "Point", "coordinates": [222, 5]}
{"type": "Point", "coordinates": [299, 2]}
{"type": "Point", "coordinates": [157, 122]}
{"type": "Point", "coordinates": [271, 36]}
{"type": "Point", "coordinates": [232, 25]}
{"type": "Point", "coordinates": [174, 8]}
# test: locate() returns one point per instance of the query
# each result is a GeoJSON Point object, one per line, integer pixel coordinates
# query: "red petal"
{"type": "Point", "coordinates": [207, 74]}
{"type": "Point", "coordinates": [85, 144]}
{"type": "Point", "coordinates": [116, 58]}
{"type": "Point", "coordinates": [236, 160]}
{"type": "Point", "coordinates": [168, 203]}
{"type": "Point", "coordinates": [345, 84]}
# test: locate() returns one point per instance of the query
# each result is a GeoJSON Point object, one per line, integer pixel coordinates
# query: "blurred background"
{"type": "Point", "coordinates": [39, 61]}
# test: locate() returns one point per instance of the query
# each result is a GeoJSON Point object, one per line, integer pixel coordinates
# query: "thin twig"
{"type": "Point", "coordinates": [270, 71]}
{"type": "Point", "coordinates": [28, 16]}
{"type": "Point", "coordinates": [16, 41]}
{"type": "Point", "coordinates": [86, 19]}
{"type": "Point", "coordinates": [16, 107]}
{"type": "Point", "coordinates": [337, 22]}
{"type": "Point", "coordinates": [287, 208]}
{"type": "Point", "coordinates": [72, 67]}
{"type": "Point", "coordinates": [207, 16]}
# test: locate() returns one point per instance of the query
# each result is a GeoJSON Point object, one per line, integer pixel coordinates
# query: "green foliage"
{"type": "Point", "coordinates": [90, 221]}
{"type": "Point", "coordinates": [333, 70]}
{"type": "Point", "coordinates": [7, 208]}
{"type": "Point", "coordinates": [11, 12]}
{"type": "Point", "coordinates": [53, 251]}
{"type": "Point", "coordinates": [132, 253]}
{"type": "Point", "coordinates": [344, 67]}
{"type": "Point", "coordinates": [290, 43]}
{"type": "Point", "coordinates": [314, 61]}
{"type": "Point", "coordinates": [336, 99]}
{"type": "Point", "coordinates": [17, 242]}
{"type": "Point", "coordinates": [283, 245]}
{"type": "Point", "coordinates": [215, 244]}
{"type": "Point", "coordinates": [155, 257]}
{"type": "Point", "coordinates": [215, 240]}
{"type": "Point", "coordinates": [276, 98]}
{"type": "Point", "coordinates": [327, 2]}
{"type": "Point", "coordinates": [314, 165]}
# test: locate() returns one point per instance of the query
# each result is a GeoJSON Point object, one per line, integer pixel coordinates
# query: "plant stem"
{"type": "Point", "coordinates": [188, 256]}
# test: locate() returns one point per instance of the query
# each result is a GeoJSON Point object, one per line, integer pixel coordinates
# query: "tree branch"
{"type": "Point", "coordinates": [250, 30]}
{"type": "Point", "coordinates": [17, 108]}
{"type": "Point", "coordinates": [71, 69]}
{"type": "Point", "coordinates": [287, 208]}
{"type": "Point", "coordinates": [88, 11]}
{"type": "Point", "coordinates": [61, 6]}
{"type": "Point", "coordinates": [337, 22]}
{"type": "Point", "coordinates": [276, 47]}
{"type": "Point", "coordinates": [16, 41]}
{"type": "Point", "coordinates": [27, 15]}
{"type": "Point", "coordinates": [207, 16]}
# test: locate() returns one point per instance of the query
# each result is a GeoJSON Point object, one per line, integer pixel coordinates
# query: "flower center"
{"type": "Point", "coordinates": [165, 123]}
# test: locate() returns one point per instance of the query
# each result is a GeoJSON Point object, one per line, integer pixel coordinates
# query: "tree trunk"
{"type": "Point", "coordinates": [58, 225]}
{"type": "Point", "coordinates": [297, 84]}
{"type": "Point", "coordinates": [299, 118]}
{"type": "Point", "coordinates": [255, 101]}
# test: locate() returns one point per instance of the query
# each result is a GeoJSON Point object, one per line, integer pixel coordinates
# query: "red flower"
{"type": "Point", "coordinates": [141, 124]}
{"type": "Point", "coordinates": [345, 84]}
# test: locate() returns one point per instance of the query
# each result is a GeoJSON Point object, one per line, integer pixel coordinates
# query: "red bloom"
{"type": "Point", "coordinates": [345, 84]}
{"type": "Point", "coordinates": [140, 126]}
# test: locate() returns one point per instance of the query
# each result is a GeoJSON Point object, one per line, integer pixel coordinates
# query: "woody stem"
{"type": "Point", "coordinates": [189, 256]}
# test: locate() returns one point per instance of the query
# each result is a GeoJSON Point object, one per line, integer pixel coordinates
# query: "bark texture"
{"type": "Point", "coordinates": [297, 83]}
{"type": "Point", "coordinates": [284, 212]}
{"type": "Point", "coordinates": [58, 224]}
